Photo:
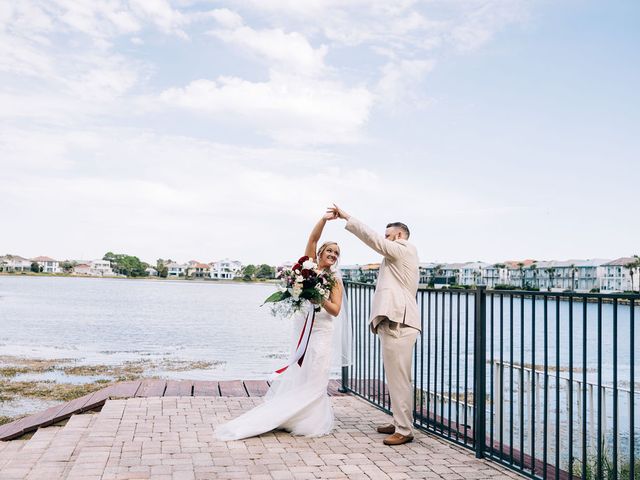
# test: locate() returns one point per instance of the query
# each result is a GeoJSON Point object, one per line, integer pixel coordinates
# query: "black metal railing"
{"type": "Point", "coordinates": [542, 382]}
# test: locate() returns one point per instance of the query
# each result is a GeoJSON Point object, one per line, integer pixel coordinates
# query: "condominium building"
{"type": "Point", "coordinates": [619, 275]}
{"type": "Point", "coordinates": [496, 274]}
{"type": "Point", "coordinates": [472, 273]}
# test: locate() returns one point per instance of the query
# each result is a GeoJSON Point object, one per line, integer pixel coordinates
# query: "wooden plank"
{"type": "Point", "coordinates": [72, 407]}
{"type": "Point", "coordinates": [151, 388]}
{"type": "Point", "coordinates": [13, 430]}
{"type": "Point", "coordinates": [203, 388]}
{"type": "Point", "coordinates": [29, 423]}
{"type": "Point", "coordinates": [179, 388]}
{"type": "Point", "coordinates": [124, 389]}
{"type": "Point", "coordinates": [256, 388]}
{"type": "Point", "coordinates": [232, 388]}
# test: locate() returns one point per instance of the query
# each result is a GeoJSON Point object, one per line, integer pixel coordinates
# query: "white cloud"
{"type": "Point", "coordinates": [289, 52]}
{"type": "Point", "coordinates": [397, 84]}
{"type": "Point", "coordinates": [291, 109]}
{"type": "Point", "coordinates": [121, 189]}
{"type": "Point", "coordinates": [160, 13]}
{"type": "Point", "coordinates": [227, 18]}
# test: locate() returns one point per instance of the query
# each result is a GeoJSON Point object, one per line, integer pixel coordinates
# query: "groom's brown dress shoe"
{"type": "Point", "coordinates": [397, 439]}
{"type": "Point", "coordinates": [388, 429]}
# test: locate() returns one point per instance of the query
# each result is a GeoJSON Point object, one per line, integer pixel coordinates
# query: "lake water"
{"type": "Point", "coordinates": [110, 321]}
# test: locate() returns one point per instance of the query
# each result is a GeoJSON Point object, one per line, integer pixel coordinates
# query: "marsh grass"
{"type": "Point", "coordinates": [608, 473]}
{"type": "Point", "coordinates": [11, 389]}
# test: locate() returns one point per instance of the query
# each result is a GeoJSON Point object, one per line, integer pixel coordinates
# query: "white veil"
{"type": "Point", "coordinates": [341, 342]}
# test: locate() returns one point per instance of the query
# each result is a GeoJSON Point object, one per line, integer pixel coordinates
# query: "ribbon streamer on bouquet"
{"type": "Point", "coordinates": [303, 342]}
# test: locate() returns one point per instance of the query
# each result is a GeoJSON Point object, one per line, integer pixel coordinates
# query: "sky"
{"type": "Point", "coordinates": [186, 129]}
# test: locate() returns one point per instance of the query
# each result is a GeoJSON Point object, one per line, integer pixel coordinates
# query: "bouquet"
{"type": "Point", "coordinates": [300, 283]}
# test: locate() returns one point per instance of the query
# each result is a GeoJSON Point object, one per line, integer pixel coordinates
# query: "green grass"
{"type": "Point", "coordinates": [591, 468]}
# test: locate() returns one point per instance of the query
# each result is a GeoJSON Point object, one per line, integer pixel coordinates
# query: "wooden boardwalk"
{"type": "Point", "coordinates": [138, 389]}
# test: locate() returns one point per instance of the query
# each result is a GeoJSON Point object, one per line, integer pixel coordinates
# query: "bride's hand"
{"type": "Point", "coordinates": [337, 212]}
{"type": "Point", "coordinates": [329, 216]}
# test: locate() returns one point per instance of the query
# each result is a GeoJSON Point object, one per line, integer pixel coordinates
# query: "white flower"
{"type": "Point", "coordinates": [295, 293]}
{"type": "Point", "coordinates": [299, 279]}
{"type": "Point", "coordinates": [309, 265]}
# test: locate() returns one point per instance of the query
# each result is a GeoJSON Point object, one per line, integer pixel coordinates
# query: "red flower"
{"type": "Point", "coordinates": [297, 266]}
{"type": "Point", "coordinates": [303, 259]}
{"type": "Point", "coordinates": [305, 272]}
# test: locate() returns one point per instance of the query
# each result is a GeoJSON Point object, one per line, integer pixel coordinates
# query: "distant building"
{"type": "Point", "coordinates": [472, 273]}
{"type": "Point", "coordinates": [101, 268]}
{"type": "Point", "coordinates": [616, 277]}
{"type": "Point", "coordinates": [152, 272]}
{"type": "Point", "coordinates": [448, 274]}
{"type": "Point", "coordinates": [516, 276]}
{"type": "Point", "coordinates": [427, 272]}
{"type": "Point", "coordinates": [48, 265]}
{"type": "Point", "coordinates": [199, 270]}
{"type": "Point", "coordinates": [176, 269]}
{"type": "Point", "coordinates": [14, 263]}
{"type": "Point", "coordinates": [82, 269]}
{"type": "Point", "coordinates": [496, 274]}
{"type": "Point", "coordinates": [350, 273]}
{"type": "Point", "coordinates": [575, 275]}
{"type": "Point", "coordinates": [225, 269]}
{"type": "Point", "coordinates": [361, 273]}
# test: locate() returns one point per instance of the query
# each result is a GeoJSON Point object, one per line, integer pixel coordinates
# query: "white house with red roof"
{"type": "Point", "coordinates": [198, 270]}
{"type": "Point", "coordinates": [48, 264]}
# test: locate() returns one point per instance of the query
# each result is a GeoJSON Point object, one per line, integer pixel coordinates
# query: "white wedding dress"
{"type": "Point", "coordinates": [297, 400]}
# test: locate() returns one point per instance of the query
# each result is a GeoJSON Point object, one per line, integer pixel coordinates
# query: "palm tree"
{"type": "Point", "coordinates": [437, 270]}
{"type": "Point", "coordinates": [551, 274]}
{"type": "Point", "coordinates": [631, 266]}
{"type": "Point", "coordinates": [521, 270]}
{"type": "Point", "coordinates": [534, 272]}
{"type": "Point", "coordinates": [574, 270]}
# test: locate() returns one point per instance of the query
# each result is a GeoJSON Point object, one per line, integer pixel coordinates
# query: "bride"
{"type": "Point", "coordinates": [297, 400]}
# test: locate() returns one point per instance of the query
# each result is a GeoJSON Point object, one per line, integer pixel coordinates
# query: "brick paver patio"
{"type": "Point", "coordinates": [172, 438]}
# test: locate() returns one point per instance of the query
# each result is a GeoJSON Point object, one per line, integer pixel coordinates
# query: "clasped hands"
{"type": "Point", "coordinates": [335, 212]}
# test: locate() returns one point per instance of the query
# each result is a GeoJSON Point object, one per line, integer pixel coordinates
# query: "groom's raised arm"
{"type": "Point", "coordinates": [387, 248]}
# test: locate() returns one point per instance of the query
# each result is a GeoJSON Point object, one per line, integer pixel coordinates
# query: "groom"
{"type": "Point", "coordinates": [394, 316]}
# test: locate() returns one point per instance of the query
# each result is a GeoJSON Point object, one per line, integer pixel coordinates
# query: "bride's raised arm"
{"type": "Point", "coordinates": [312, 244]}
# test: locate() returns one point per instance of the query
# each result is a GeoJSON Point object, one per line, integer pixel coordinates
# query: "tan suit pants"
{"type": "Point", "coordinates": [397, 343]}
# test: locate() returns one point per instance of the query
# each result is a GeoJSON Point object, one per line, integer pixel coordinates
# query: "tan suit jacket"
{"type": "Point", "coordinates": [395, 295]}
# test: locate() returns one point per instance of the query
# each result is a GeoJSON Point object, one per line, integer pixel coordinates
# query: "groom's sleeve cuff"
{"type": "Point", "coordinates": [350, 225]}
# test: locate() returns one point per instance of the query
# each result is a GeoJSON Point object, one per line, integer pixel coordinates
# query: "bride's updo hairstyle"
{"type": "Point", "coordinates": [323, 247]}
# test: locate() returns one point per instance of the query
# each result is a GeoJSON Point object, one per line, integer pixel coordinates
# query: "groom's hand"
{"type": "Point", "coordinates": [338, 212]}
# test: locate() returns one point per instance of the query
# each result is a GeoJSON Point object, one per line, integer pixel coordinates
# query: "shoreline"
{"type": "Point", "coordinates": [239, 281]}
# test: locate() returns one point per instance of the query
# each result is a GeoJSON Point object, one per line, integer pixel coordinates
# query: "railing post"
{"type": "Point", "coordinates": [345, 375]}
{"type": "Point", "coordinates": [480, 371]}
